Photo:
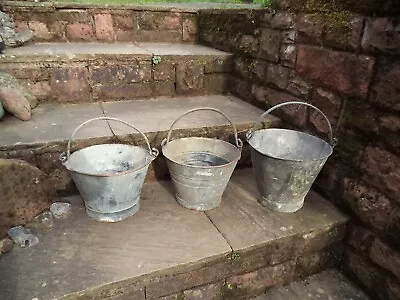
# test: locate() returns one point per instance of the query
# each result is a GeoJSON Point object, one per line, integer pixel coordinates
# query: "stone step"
{"type": "Point", "coordinates": [88, 72]}
{"type": "Point", "coordinates": [235, 251]}
{"type": "Point", "coordinates": [41, 140]}
{"type": "Point", "coordinates": [329, 284]}
{"type": "Point", "coordinates": [55, 21]}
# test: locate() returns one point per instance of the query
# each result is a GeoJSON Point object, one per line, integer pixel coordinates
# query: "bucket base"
{"type": "Point", "coordinates": [279, 207]}
{"type": "Point", "coordinates": [115, 216]}
{"type": "Point", "coordinates": [199, 207]}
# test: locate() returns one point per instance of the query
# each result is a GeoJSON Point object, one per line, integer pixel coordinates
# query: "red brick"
{"type": "Point", "coordinates": [70, 84]}
{"type": "Point", "coordinates": [309, 29]}
{"type": "Point", "coordinates": [80, 32]}
{"type": "Point", "coordinates": [345, 35]}
{"type": "Point", "coordinates": [371, 207]}
{"type": "Point", "coordinates": [382, 170]}
{"type": "Point", "coordinates": [381, 34]}
{"type": "Point", "coordinates": [294, 114]}
{"type": "Point", "coordinates": [283, 20]}
{"type": "Point", "coordinates": [164, 71]}
{"type": "Point", "coordinates": [360, 238]}
{"type": "Point", "coordinates": [40, 30]}
{"type": "Point", "coordinates": [270, 41]}
{"type": "Point", "coordinates": [277, 75]}
{"type": "Point", "coordinates": [189, 30]}
{"type": "Point", "coordinates": [104, 27]}
{"type": "Point", "coordinates": [330, 103]}
{"type": "Point", "coordinates": [211, 291]}
{"type": "Point", "coordinates": [123, 21]}
{"type": "Point", "coordinates": [21, 26]}
{"type": "Point", "coordinates": [385, 87]}
{"type": "Point", "coordinates": [189, 77]}
{"type": "Point", "coordinates": [259, 92]}
{"type": "Point", "coordinates": [123, 91]}
{"type": "Point", "coordinates": [299, 87]}
{"type": "Point", "coordinates": [386, 257]}
{"type": "Point", "coordinates": [288, 55]}
{"type": "Point", "coordinates": [119, 74]}
{"type": "Point", "coordinates": [41, 89]}
{"type": "Point", "coordinates": [248, 44]}
{"type": "Point", "coordinates": [255, 283]}
{"type": "Point", "coordinates": [172, 22]}
{"type": "Point", "coordinates": [343, 72]}
{"type": "Point", "coordinates": [124, 35]}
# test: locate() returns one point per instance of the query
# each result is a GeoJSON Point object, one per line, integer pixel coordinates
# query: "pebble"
{"type": "Point", "coordinates": [6, 245]}
{"type": "Point", "coordinates": [44, 221]}
{"type": "Point", "coordinates": [23, 236]}
{"type": "Point", "coordinates": [60, 210]}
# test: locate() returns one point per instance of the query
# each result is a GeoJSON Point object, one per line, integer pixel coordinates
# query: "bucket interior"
{"type": "Point", "coordinates": [289, 145]}
{"type": "Point", "coordinates": [201, 152]}
{"type": "Point", "coordinates": [107, 159]}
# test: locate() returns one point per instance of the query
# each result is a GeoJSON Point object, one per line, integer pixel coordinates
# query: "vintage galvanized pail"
{"type": "Point", "coordinates": [286, 162]}
{"type": "Point", "coordinates": [109, 177]}
{"type": "Point", "coordinates": [200, 167]}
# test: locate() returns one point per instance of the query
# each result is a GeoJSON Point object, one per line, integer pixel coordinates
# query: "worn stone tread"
{"type": "Point", "coordinates": [80, 51]}
{"type": "Point", "coordinates": [163, 239]}
{"type": "Point", "coordinates": [329, 285]}
{"type": "Point", "coordinates": [55, 122]}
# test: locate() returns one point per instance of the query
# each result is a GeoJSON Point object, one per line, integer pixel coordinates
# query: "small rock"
{"type": "Point", "coordinates": [60, 210]}
{"type": "Point", "coordinates": [15, 103]}
{"type": "Point", "coordinates": [6, 245]}
{"type": "Point", "coordinates": [44, 221]}
{"type": "Point", "coordinates": [23, 236]}
{"type": "Point", "coordinates": [8, 81]}
{"type": "Point", "coordinates": [11, 37]}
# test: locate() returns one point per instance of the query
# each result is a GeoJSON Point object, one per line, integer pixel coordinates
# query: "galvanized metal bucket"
{"type": "Point", "coordinates": [109, 177]}
{"type": "Point", "coordinates": [200, 167]}
{"type": "Point", "coordinates": [287, 162]}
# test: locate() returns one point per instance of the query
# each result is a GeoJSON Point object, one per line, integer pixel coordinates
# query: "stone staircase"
{"type": "Point", "coordinates": [165, 251]}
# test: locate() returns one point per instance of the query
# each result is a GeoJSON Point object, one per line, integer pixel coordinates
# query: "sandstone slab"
{"type": "Point", "coordinates": [25, 193]}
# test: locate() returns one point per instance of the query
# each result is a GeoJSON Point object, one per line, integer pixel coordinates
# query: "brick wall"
{"type": "Point", "coordinates": [348, 64]}
{"type": "Point", "coordinates": [62, 22]}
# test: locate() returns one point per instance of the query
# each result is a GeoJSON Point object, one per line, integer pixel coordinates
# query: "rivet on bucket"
{"type": "Point", "coordinates": [286, 162]}
{"type": "Point", "coordinates": [109, 177]}
{"type": "Point", "coordinates": [200, 168]}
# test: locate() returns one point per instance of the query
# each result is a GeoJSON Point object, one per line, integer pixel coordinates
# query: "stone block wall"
{"type": "Point", "coordinates": [346, 62]}
{"type": "Point", "coordinates": [119, 77]}
{"type": "Point", "coordinates": [61, 22]}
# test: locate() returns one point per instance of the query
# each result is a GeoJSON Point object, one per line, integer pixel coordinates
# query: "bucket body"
{"type": "Point", "coordinates": [200, 169]}
{"type": "Point", "coordinates": [286, 163]}
{"type": "Point", "coordinates": [109, 178]}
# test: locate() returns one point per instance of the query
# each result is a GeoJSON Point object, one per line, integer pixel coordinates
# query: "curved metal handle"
{"type": "Point", "coordinates": [238, 141]}
{"type": "Point", "coordinates": [153, 151]}
{"type": "Point", "coordinates": [332, 139]}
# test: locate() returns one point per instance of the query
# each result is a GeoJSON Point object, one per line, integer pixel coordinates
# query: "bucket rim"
{"type": "Point", "coordinates": [148, 162]}
{"type": "Point", "coordinates": [287, 159]}
{"type": "Point", "coordinates": [202, 167]}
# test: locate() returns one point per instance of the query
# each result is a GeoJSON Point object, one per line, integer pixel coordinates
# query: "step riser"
{"type": "Point", "coordinates": [227, 279]}
{"type": "Point", "coordinates": [117, 78]}
{"type": "Point", "coordinates": [46, 157]}
{"type": "Point", "coordinates": [77, 23]}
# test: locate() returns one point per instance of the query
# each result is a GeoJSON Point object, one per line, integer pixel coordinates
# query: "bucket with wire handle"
{"type": "Point", "coordinates": [109, 177]}
{"type": "Point", "coordinates": [200, 167]}
{"type": "Point", "coordinates": [287, 162]}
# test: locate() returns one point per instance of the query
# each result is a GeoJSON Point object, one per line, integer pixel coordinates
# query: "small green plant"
{"type": "Point", "coordinates": [233, 256]}
{"type": "Point", "coordinates": [155, 60]}
{"type": "Point", "coordinates": [263, 3]}
{"type": "Point", "coordinates": [229, 286]}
